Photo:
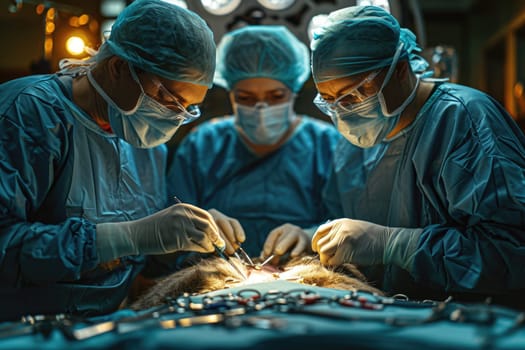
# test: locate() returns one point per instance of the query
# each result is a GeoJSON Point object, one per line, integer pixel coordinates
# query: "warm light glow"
{"type": "Point", "coordinates": [518, 89]}
{"type": "Point", "coordinates": [73, 21]}
{"type": "Point", "coordinates": [50, 14]}
{"type": "Point", "coordinates": [75, 45]}
{"type": "Point", "coordinates": [48, 46]}
{"type": "Point", "coordinates": [50, 27]}
{"type": "Point", "coordinates": [83, 20]}
{"type": "Point", "coordinates": [220, 7]}
{"type": "Point", "coordinates": [267, 273]}
{"type": "Point", "coordinates": [40, 9]}
{"type": "Point", "coordinates": [93, 26]}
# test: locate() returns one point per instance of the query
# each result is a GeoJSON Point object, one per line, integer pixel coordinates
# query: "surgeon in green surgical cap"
{"type": "Point", "coordinates": [427, 189]}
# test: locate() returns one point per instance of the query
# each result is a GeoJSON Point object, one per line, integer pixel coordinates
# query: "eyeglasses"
{"type": "Point", "coordinates": [188, 114]}
{"type": "Point", "coordinates": [344, 103]}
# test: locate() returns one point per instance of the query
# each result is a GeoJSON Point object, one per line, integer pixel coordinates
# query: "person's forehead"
{"type": "Point", "coordinates": [185, 91]}
{"type": "Point", "coordinates": [258, 85]}
{"type": "Point", "coordinates": [335, 86]}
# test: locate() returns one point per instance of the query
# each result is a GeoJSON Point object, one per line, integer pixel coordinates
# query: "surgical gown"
{"type": "Point", "coordinates": [458, 172]}
{"type": "Point", "coordinates": [213, 168]}
{"type": "Point", "coordinates": [61, 174]}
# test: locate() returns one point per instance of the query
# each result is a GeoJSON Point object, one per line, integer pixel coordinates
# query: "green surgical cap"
{"type": "Point", "coordinates": [166, 40]}
{"type": "Point", "coordinates": [358, 39]}
{"type": "Point", "coordinates": [261, 51]}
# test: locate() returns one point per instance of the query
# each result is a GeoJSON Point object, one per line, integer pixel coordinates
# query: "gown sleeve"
{"type": "Point", "coordinates": [33, 153]}
{"type": "Point", "coordinates": [479, 181]}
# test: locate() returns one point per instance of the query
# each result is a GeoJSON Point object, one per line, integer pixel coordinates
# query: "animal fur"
{"type": "Point", "coordinates": [214, 274]}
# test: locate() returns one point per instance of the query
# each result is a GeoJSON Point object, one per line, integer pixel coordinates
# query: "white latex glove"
{"type": "Point", "coordinates": [364, 243]}
{"type": "Point", "coordinates": [230, 230]}
{"type": "Point", "coordinates": [283, 239]}
{"type": "Point", "coordinates": [179, 227]}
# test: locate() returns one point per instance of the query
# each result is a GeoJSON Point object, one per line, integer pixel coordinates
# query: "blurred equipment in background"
{"type": "Point", "coordinates": [299, 16]}
{"type": "Point", "coordinates": [444, 61]}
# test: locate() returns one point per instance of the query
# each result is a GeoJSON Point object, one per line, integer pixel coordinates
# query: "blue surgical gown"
{"type": "Point", "coordinates": [61, 174]}
{"type": "Point", "coordinates": [458, 172]}
{"type": "Point", "coordinates": [213, 168]}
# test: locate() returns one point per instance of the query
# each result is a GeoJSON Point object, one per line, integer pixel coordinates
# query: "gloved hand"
{"type": "Point", "coordinates": [283, 239]}
{"type": "Point", "coordinates": [364, 243]}
{"type": "Point", "coordinates": [230, 230]}
{"type": "Point", "coordinates": [179, 227]}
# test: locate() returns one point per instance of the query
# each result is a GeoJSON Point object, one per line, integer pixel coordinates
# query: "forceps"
{"type": "Point", "coordinates": [221, 254]}
{"type": "Point", "coordinates": [219, 251]}
{"type": "Point", "coordinates": [245, 257]}
{"type": "Point", "coordinates": [259, 266]}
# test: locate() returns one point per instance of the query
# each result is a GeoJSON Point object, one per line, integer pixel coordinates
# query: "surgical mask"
{"type": "Point", "coordinates": [264, 124]}
{"type": "Point", "coordinates": [367, 123]}
{"type": "Point", "coordinates": [146, 125]}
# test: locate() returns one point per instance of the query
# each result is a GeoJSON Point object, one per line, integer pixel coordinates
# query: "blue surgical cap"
{"type": "Point", "coordinates": [166, 40]}
{"type": "Point", "coordinates": [262, 52]}
{"type": "Point", "coordinates": [358, 39]}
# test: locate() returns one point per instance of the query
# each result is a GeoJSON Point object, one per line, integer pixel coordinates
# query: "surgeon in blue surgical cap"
{"type": "Point", "coordinates": [428, 189]}
{"type": "Point", "coordinates": [82, 162]}
{"type": "Point", "coordinates": [260, 171]}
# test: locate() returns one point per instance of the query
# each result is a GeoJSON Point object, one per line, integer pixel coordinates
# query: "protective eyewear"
{"type": "Point", "coordinates": [344, 103]}
{"type": "Point", "coordinates": [188, 114]}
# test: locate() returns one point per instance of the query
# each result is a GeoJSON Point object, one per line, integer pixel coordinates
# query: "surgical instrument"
{"type": "Point", "coordinates": [219, 251]}
{"type": "Point", "coordinates": [245, 257]}
{"type": "Point", "coordinates": [221, 254]}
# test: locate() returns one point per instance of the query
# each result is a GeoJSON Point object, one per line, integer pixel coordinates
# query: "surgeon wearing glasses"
{"type": "Point", "coordinates": [260, 171]}
{"type": "Point", "coordinates": [83, 164]}
{"type": "Point", "coordinates": [428, 184]}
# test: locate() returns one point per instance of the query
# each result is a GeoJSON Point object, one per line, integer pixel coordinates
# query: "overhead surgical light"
{"type": "Point", "coordinates": [385, 4]}
{"type": "Point", "coordinates": [301, 17]}
{"type": "Point", "coordinates": [316, 22]}
{"type": "Point", "coordinates": [179, 3]}
{"type": "Point", "coordinates": [276, 4]}
{"type": "Point", "coordinates": [220, 7]}
{"type": "Point", "coordinates": [112, 8]}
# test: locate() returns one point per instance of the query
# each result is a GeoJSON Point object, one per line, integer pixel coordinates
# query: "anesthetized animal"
{"type": "Point", "coordinates": [214, 273]}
